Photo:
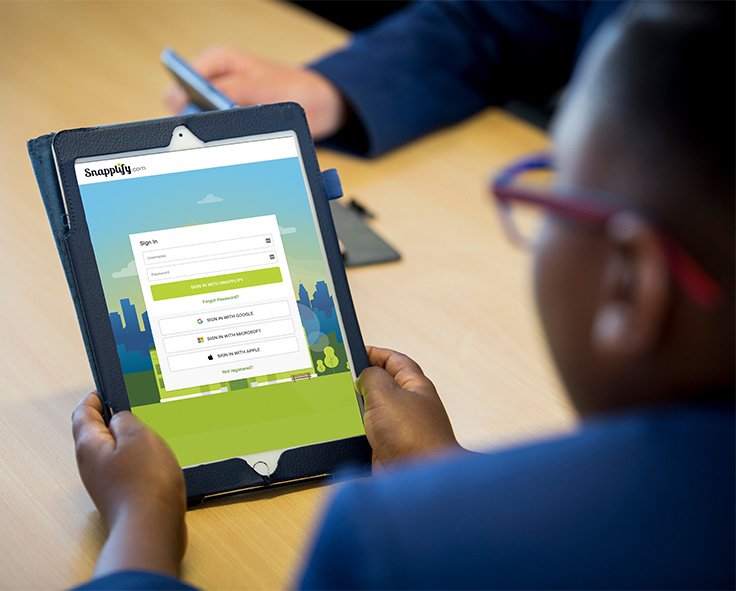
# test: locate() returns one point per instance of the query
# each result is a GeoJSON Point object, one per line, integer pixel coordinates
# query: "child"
{"type": "Point", "coordinates": [634, 279]}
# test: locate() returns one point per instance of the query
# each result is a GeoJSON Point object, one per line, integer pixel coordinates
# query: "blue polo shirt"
{"type": "Point", "coordinates": [637, 500]}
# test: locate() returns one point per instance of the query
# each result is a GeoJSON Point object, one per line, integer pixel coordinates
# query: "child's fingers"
{"type": "Point", "coordinates": [93, 401]}
{"type": "Point", "coordinates": [88, 425]}
{"type": "Point", "coordinates": [89, 410]}
{"type": "Point", "coordinates": [378, 356]}
{"type": "Point", "coordinates": [392, 361]}
{"type": "Point", "coordinates": [403, 369]}
{"type": "Point", "coordinates": [124, 426]}
{"type": "Point", "coordinates": [376, 386]}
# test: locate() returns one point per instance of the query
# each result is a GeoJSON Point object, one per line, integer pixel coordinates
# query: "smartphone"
{"type": "Point", "coordinates": [202, 95]}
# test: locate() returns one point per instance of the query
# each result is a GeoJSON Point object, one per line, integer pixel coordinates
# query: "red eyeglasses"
{"type": "Point", "coordinates": [689, 276]}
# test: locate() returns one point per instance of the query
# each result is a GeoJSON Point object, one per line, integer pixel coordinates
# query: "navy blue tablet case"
{"type": "Point", "coordinates": [72, 239]}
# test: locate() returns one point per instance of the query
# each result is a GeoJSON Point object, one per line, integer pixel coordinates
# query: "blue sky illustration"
{"type": "Point", "coordinates": [116, 209]}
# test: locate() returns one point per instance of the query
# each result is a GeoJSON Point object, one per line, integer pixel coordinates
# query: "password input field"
{"type": "Point", "coordinates": [207, 249]}
{"type": "Point", "coordinates": [208, 267]}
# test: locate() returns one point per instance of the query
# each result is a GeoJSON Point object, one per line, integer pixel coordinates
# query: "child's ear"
{"type": "Point", "coordinates": [635, 291]}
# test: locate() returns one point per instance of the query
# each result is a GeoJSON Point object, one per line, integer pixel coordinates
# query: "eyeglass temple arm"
{"type": "Point", "coordinates": [535, 162]}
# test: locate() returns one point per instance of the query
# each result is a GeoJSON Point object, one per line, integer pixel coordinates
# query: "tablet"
{"type": "Point", "coordinates": [210, 287]}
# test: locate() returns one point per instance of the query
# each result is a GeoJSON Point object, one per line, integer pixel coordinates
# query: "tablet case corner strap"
{"type": "Point", "coordinates": [332, 184]}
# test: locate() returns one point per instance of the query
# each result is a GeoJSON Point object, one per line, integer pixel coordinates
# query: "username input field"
{"type": "Point", "coordinates": [212, 266]}
{"type": "Point", "coordinates": [206, 249]}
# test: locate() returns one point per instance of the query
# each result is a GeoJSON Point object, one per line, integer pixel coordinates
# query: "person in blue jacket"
{"type": "Point", "coordinates": [426, 67]}
{"type": "Point", "coordinates": [634, 278]}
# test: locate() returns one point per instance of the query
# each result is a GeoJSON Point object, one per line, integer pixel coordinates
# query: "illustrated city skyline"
{"type": "Point", "coordinates": [134, 344]}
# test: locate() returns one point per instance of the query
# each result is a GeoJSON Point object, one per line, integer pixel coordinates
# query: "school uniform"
{"type": "Point", "coordinates": [642, 499]}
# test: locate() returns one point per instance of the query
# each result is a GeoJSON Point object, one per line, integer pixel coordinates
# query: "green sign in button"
{"type": "Point", "coordinates": [180, 289]}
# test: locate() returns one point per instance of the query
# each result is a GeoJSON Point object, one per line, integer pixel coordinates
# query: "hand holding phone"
{"type": "Point", "coordinates": [251, 80]}
{"type": "Point", "coordinates": [202, 95]}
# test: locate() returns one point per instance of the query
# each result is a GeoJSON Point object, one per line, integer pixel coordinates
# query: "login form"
{"type": "Point", "coordinates": [220, 302]}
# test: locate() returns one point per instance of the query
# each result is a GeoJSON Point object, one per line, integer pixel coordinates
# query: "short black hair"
{"type": "Point", "coordinates": [669, 78]}
{"type": "Point", "coordinates": [678, 57]}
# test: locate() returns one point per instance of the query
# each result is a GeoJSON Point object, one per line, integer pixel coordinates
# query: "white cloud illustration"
{"type": "Point", "coordinates": [210, 199]}
{"type": "Point", "coordinates": [127, 271]}
{"type": "Point", "coordinates": [287, 230]}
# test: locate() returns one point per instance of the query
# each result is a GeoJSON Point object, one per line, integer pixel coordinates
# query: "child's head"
{"type": "Point", "coordinates": [650, 121]}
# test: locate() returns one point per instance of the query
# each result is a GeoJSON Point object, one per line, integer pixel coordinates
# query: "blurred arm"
{"type": "Point", "coordinates": [436, 63]}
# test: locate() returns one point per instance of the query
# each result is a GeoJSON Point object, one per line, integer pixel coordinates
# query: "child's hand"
{"type": "Point", "coordinates": [404, 416]}
{"type": "Point", "coordinates": [138, 487]}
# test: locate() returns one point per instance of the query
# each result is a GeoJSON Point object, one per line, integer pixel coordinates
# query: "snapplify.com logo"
{"type": "Point", "coordinates": [111, 171]}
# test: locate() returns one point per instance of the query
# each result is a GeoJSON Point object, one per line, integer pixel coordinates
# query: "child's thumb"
{"type": "Point", "coordinates": [375, 384]}
{"type": "Point", "coordinates": [125, 425]}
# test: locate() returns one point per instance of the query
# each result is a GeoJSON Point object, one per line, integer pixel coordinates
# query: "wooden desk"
{"type": "Point", "coordinates": [459, 301]}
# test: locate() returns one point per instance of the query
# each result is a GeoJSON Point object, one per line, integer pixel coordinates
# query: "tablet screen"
{"type": "Point", "coordinates": [220, 298]}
